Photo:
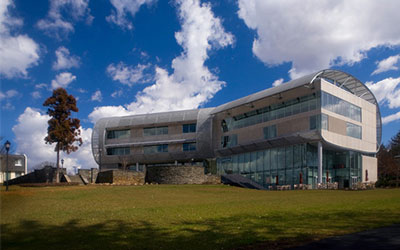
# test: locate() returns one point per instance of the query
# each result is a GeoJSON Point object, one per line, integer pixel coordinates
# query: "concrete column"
{"type": "Point", "coordinates": [137, 166]}
{"type": "Point", "coordinates": [319, 162]}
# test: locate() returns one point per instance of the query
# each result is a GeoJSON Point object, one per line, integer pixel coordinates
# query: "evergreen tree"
{"type": "Point", "coordinates": [63, 130]}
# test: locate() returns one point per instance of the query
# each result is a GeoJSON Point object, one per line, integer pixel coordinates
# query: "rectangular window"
{"type": "Point", "coordinates": [18, 162]}
{"type": "Point", "coordinates": [189, 128]}
{"type": "Point", "coordinates": [270, 132]}
{"type": "Point", "coordinates": [118, 134]}
{"type": "Point", "coordinates": [155, 131]}
{"type": "Point", "coordinates": [118, 151]}
{"type": "Point", "coordinates": [315, 122]}
{"type": "Point", "coordinates": [188, 147]}
{"type": "Point", "coordinates": [353, 130]}
{"type": "Point", "coordinates": [340, 107]}
{"type": "Point", "coordinates": [163, 148]}
{"type": "Point", "coordinates": [324, 122]}
{"type": "Point", "coordinates": [228, 141]}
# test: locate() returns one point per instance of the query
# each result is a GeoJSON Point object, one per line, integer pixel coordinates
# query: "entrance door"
{"type": "Point", "coordinates": [354, 181]}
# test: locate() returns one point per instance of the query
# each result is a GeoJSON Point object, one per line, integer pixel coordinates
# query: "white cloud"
{"type": "Point", "coordinates": [123, 8]}
{"type": "Point", "coordinates": [129, 75]}
{"type": "Point", "coordinates": [65, 60]}
{"type": "Point", "coordinates": [8, 94]}
{"type": "Point", "coordinates": [41, 86]}
{"type": "Point", "coordinates": [387, 64]}
{"type": "Point", "coordinates": [314, 35]}
{"type": "Point", "coordinates": [117, 93]}
{"type": "Point", "coordinates": [97, 96]}
{"type": "Point", "coordinates": [62, 80]}
{"type": "Point", "coordinates": [277, 82]}
{"type": "Point", "coordinates": [36, 95]}
{"type": "Point", "coordinates": [55, 22]}
{"type": "Point", "coordinates": [386, 91]}
{"type": "Point", "coordinates": [30, 131]}
{"type": "Point", "coordinates": [17, 52]}
{"type": "Point", "coordinates": [391, 118]}
{"type": "Point", "coordinates": [191, 84]}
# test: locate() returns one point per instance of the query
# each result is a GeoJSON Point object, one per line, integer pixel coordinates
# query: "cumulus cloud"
{"type": "Point", "coordinates": [391, 118]}
{"type": "Point", "coordinates": [97, 96]}
{"type": "Point", "coordinates": [277, 82]}
{"type": "Point", "coordinates": [36, 95]}
{"type": "Point", "coordinates": [387, 64]}
{"type": "Point", "coordinates": [17, 52]}
{"type": "Point", "coordinates": [313, 35]}
{"type": "Point", "coordinates": [41, 86]}
{"type": "Point", "coordinates": [117, 93]}
{"type": "Point", "coordinates": [123, 8]}
{"type": "Point", "coordinates": [55, 23]}
{"type": "Point", "coordinates": [62, 80]}
{"type": "Point", "coordinates": [386, 91]}
{"type": "Point", "coordinates": [191, 84]}
{"type": "Point", "coordinates": [30, 131]}
{"type": "Point", "coordinates": [65, 60]}
{"type": "Point", "coordinates": [6, 97]}
{"type": "Point", "coordinates": [129, 75]}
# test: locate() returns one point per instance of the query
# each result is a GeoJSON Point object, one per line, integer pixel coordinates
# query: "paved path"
{"type": "Point", "coordinates": [380, 238]}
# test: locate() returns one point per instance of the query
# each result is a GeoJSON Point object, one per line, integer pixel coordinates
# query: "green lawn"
{"type": "Point", "coordinates": [185, 217]}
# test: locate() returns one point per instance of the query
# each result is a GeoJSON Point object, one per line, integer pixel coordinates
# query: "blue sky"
{"type": "Point", "coordinates": [122, 57]}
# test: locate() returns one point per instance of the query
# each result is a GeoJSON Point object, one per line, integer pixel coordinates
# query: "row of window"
{"type": "Point", "coordinates": [341, 107]}
{"type": "Point", "coordinates": [319, 122]}
{"type": "Point", "coordinates": [353, 130]}
{"type": "Point", "coordinates": [162, 130]}
{"type": "Point", "coordinates": [162, 148]}
{"type": "Point", "coordinates": [273, 112]}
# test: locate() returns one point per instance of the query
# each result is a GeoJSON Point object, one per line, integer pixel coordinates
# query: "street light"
{"type": "Point", "coordinates": [7, 146]}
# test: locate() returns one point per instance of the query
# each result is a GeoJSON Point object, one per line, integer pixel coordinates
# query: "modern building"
{"type": "Point", "coordinates": [323, 127]}
{"type": "Point", "coordinates": [17, 166]}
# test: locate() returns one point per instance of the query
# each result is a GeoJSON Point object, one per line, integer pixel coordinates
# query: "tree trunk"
{"type": "Point", "coordinates": [58, 164]}
{"type": "Point", "coordinates": [397, 176]}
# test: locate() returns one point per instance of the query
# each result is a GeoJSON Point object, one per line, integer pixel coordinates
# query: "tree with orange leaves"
{"type": "Point", "coordinates": [63, 130]}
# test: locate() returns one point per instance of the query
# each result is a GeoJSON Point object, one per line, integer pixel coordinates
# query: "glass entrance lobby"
{"type": "Point", "coordinates": [295, 164]}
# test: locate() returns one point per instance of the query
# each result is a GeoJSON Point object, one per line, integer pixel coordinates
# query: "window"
{"type": "Point", "coordinates": [187, 147]}
{"type": "Point", "coordinates": [18, 162]}
{"type": "Point", "coordinates": [118, 134]}
{"type": "Point", "coordinates": [163, 148]}
{"type": "Point", "coordinates": [315, 122]}
{"type": "Point", "coordinates": [228, 141]}
{"type": "Point", "coordinates": [155, 131]}
{"type": "Point", "coordinates": [340, 107]}
{"type": "Point", "coordinates": [324, 122]}
{"type": "Point", "coordinates": [189, 128]}
{"type": "Point", "coordinates": [273, 112]}
{"type": "Point", "coordinates": [118, 151]}
{"type": "Point", "coordinates": [353, 130]}
{"type": "Point", "coordinates": [270, 132]}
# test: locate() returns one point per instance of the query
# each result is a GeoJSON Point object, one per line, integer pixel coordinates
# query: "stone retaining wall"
{"type": "Point", "coordinates": [89, 174]}
{"type": "Point", "coordinates": [179, 175]}
{"type": "Point", "coordinates": [121, 177]}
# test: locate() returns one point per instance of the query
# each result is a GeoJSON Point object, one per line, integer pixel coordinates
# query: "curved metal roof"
{"type": "Point", "coordinates": [338, 77]}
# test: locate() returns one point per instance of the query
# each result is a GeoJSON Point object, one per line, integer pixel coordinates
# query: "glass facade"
{"type": "Point", "coordinates": [187, 147]}
{"type": "Point", "coordinates": [118, 151]}
{"type": "Point", "coordinates": [118, 134]}
{"type": "Point", "coordinates": [339, 106]}
{"type": "Point", "coordinates": [155, 131]}
{"type": "Point", "coordinates": [228, 141]}
{"type": "Point", "coordinates": [273, 112]}
{"type": "Point", "coordinates": [163, 148]}
{"type": "Point", "coordinates": [270, 132]}
{"type": "Point", "coordinates": [189, 128]}
{"type": "Point", "coordinates": [294, 164]}
{"type": "Point", "coordinates": [353, 130]}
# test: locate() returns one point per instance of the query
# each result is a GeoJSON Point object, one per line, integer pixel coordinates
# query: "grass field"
{"type": "Point", "coordinates": [185, 217]}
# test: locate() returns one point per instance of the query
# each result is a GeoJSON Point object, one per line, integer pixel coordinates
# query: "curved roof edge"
{"type": "Point", "coordinates": [340, 78]}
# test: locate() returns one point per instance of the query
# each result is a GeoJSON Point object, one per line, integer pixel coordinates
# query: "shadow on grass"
{"type": "Point", "coordinates": [272, 231]}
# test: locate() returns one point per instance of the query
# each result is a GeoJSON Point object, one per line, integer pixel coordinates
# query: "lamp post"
{"type": "Point", "coordinates": [62, 163]}
{"type": "Point", "coordinates": [7, 146]}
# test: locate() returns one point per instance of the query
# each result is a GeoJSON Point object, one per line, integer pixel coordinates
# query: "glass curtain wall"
{"type": "Point", "coordinates": [295, 164]}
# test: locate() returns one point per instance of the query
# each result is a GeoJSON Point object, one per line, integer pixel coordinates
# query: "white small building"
{"type": "Point", "coordinates": [17, 166]}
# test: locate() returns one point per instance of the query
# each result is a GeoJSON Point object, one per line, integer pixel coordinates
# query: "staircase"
{"type": "Point", "coordinates": [240, 181]}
